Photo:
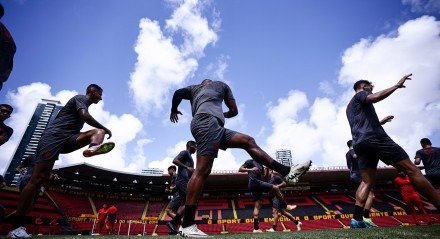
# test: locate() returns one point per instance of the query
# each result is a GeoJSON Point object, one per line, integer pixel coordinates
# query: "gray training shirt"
{"type": "Point", "coordinates": [208, 98]}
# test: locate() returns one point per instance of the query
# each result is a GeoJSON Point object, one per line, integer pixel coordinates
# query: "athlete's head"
{"type": "Point", "coordinates": [363, 85]}
{"type": "Point", "coordinates": [94, 91]}
{"type": "Point", "coordinates": [425, 142]}
{"type": "Point", "coordinates": [172, 169]}
{"type": "Point", "coordinates": [191, 146]}
{"type": "Point", "coordinates": [206, 81]}
{"type": "Point", "coordinates": [5, 111]}
{"type": "Point", "coordinates": [104, 205]}
{"type": "Point", "coordinates": [349, 143]}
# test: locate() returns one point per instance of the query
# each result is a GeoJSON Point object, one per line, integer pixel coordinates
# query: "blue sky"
{"type": "Point", "coordinates": [290, 64]}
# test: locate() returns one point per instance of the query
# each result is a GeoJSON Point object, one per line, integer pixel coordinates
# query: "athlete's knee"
{"type": "Point", "coordinates": [98, 131]}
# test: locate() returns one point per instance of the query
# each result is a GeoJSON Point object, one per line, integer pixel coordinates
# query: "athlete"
{"type": "Point", "coordinates": [411, 197]}
{"type": "Point", "coordinates": [430, 156]}
{"type": "Point", "coordinates": [258, 185]}
{"type": "Point", "coordinates": [207, 128]}
{"type": "Point", "coordinates": [5, 131]}
{"type": "Point", "coordinates": [60, 137]}
{"type": "Point", "coordinates": [371, 143]}
{"type": "Point", "coordinates": [102, 216]}
{"type": "Point", "coordinates": [175, 201]}
{"type": "Point", "coordinates": [281, 207]}
{"type": "Point", "coordinates": [185, 164]}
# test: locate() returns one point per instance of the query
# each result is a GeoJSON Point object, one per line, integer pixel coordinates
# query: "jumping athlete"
{"type": "Point", "coordinates": [207, 127]}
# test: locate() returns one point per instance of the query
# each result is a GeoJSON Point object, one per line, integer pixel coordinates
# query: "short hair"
{"type": "Point", "coordinates": [206, 80]}
{"type": "Point", "coordinates": [7, 106]}
{"type": "Point", "coordinates": [93, 87]}
{"type": "Point", "coordinates": [191, 142]}
{"type": "Point", "coordinates": [172, 167]}
{"type": "Point", "coordinates": [350, 143]}
{"type": "Point", "coordinates": [359, 82]}
{"type": "Point", "coordinates": [425, 141]}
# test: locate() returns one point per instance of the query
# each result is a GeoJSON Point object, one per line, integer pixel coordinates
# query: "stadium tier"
{"type": "Point", "coordinates": [321, 204]}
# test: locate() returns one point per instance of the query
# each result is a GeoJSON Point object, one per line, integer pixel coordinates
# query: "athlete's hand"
{"type": "Point", "coordinates": [107, 131]}
{"type": "Point", "coordinates": [174, 116]}
{"type": "Point", "coordinates": [401, 82]}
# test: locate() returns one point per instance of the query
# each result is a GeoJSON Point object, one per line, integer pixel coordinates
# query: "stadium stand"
{"type": "Point", "coordinates": [226, 206]}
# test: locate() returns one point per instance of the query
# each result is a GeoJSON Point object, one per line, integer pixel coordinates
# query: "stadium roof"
{"type": "Point", "coordinates": [225, 180]}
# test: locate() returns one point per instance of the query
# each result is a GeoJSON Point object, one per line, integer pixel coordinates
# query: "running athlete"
{"type": "Point", "coordinates": [185, 164]}
{"type": "Point", "coordinates": [62, 136]}
{"type": "Point", "coordinates": [207, 127]}
{"type": "Point", "coordinates": [175, 201]}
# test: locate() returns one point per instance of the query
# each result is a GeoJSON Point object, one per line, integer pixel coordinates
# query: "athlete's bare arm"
{"type": "Point", "coordinates": [378, 96]}
{"type": "Point", "coordinates": [84, 113]}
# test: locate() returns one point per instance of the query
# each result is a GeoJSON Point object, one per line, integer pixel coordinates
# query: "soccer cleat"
{"type": "Point", "coordinates": [369, 223]}
{"type": "Point", "coordinates": [19, 232]}
{"type": "Point", "coordinates": [257, 231]}
{"type": "Point", "coordinates": [357, 224]}
{"type": "Point", "coordinates": [297, 171]}
{"type": "Point", "coordinates": [270, 230]}
{"type": "Point", "coordinates": [192, 231]}
{"type": "Point", "coordinates": [298, 226]}
{"type": "Point", "coordinates": [99, 149]}
{"type": "Point", "coordinates": [172, 227]}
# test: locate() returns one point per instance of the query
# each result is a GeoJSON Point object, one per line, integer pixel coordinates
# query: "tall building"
{"type": "Point", "coordinates": [45, 112]}
{"type": "Point", "coordinates": [284, 156]}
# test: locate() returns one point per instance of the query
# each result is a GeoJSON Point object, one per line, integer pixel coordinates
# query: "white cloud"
{"type": "Point", "coordinates": [24, 100]}
{"type": "Point", "coordinates": [161, 64]}
{"type": "Point", "coordinates": [321, 134]}
{"type": "Point", "coordinates": [423, 6]}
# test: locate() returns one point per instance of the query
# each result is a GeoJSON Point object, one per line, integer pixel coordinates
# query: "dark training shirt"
{"type": "Point", "coordinates": [363, 119]}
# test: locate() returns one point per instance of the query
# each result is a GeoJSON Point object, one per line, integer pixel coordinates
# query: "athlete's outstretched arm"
{"type": "Point", "coordinates": [376, 97]}
{"type": "Point", "coordinates": [178, 96]}
{"type": "Point", "coordinates": [386, 119]}
{"type": "Point", "coordinates": [232, 106]}
{"type": "Point", "coordinates": [84, 113]}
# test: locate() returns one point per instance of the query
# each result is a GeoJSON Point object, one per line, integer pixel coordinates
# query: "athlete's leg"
{"type": "Point", "coordinates": [412, 208]}
{"type": "Point", "coordinates": [256, 214]}
{"type": "Point", "coordinates": [288, 215]}
{"type": "Point", "coordinates": [420, 183]}
{"type": "Point", "coordinates": [368, 179]}
{"type": "Point", "coordinates": [368, 204]}
{"type": "Point", "coordinates": [195, 186]}
{"type": "Point", "coordinates": [94, 137]}
{"type": "Point", "coordinates": [275, 218]}
{"type": "Point", "coordinates": [40, 174]}
{"type": "Point", "coordinates": [418, 202]}
{"type": "Point", "coordinates": [248, 143]}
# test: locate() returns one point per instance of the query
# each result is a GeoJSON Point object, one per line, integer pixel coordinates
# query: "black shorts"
{"type": "Point", "coordinates": [209, 134]}
{"type": "Point", "coordinates": [49, 148]}
{"type": "Point", "coordinates": [258, 187]}
{"type": "Point", "coordinates": [383, 148]}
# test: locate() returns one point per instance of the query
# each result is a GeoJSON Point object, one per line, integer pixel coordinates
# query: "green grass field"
{"type": "Point", "coordinates": [404, 232]}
